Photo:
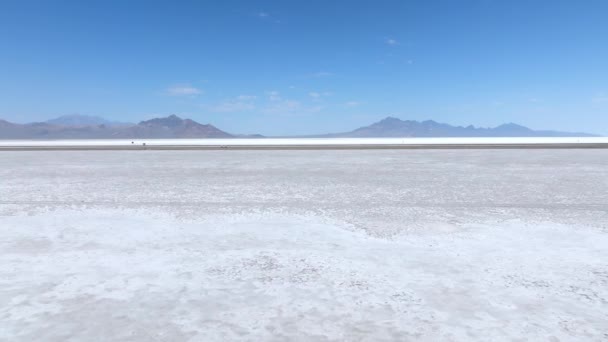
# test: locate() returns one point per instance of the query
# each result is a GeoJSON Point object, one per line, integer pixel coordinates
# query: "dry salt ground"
{"type": "Point", "coordinates": [304, 246]}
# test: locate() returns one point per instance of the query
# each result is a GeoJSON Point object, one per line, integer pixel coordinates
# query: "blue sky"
{"type": "Point", "coordinates": [298, 67]}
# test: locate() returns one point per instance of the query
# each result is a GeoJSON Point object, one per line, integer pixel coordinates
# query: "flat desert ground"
{"type": "Point", "coordinates": [390, 245]}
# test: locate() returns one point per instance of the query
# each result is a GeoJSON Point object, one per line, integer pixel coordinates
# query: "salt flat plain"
{"type": "Point", "coordinates": [389, 245]}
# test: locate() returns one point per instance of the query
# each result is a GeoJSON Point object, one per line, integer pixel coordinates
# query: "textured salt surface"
{"type": "Point", "coordinates": [212, 246]}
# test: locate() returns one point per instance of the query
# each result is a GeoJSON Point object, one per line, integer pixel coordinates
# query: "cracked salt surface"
{"type": "Point", "coordinates": [310, 246]}
{"type": "Point", "coordinates": [134, 275]}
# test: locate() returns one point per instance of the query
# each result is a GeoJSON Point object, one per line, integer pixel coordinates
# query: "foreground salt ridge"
{"type": "Point", "coordinates": [138, 275]}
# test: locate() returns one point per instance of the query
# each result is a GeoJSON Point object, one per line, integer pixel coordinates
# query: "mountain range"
{"type": "Point", "coordinates": [394, 127]}
{"type": "Point", "coordinates": [174, 127]}
{"type": "Point", "coordinates": [171, 127]}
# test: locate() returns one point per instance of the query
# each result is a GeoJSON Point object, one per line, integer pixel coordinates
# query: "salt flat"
{"type": "Point", "coordinates": [389, 245]}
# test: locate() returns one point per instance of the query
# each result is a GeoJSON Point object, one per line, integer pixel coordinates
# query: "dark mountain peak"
{"type": "Point", "coordinates": [512, 126]}
{"type": "Point", "coordinates": [174, 121]}
{"type": "Point", "coordinates": [389, 120]}
{"type": "Point", "coordinates": [174, 126]}
{"type": "Point", "coordinates": [170, 121]}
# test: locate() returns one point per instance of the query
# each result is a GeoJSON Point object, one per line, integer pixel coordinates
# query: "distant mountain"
{"type": "Point", "coordinates": [394, 127]}
{"type": "Point", "coordinates": [77, 120]}
{"type": "Point", "coordinates": [169, 127]}
{"type": "Point", "coordinates": [173, 127]}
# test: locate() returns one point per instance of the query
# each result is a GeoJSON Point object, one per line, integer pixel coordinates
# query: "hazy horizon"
{"type": "Point", "coordinates": [91, 121]}
{"type": "Point", "coordinates": [291, 68]}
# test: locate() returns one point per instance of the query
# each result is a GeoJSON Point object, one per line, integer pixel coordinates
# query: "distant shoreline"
{"type": "Point", "coordinates": [304, 144]}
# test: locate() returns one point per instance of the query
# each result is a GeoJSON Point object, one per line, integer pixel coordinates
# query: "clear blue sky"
{"type": "Point", "coordinates": [296, 67]}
